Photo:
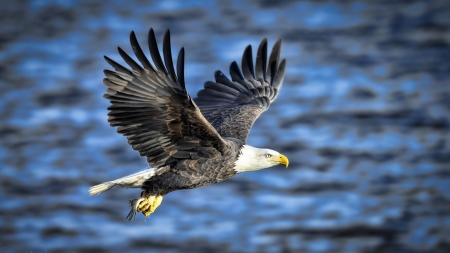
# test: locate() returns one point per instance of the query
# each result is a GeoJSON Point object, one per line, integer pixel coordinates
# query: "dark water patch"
{"type": "Point", "coordinates": [295, 81]}
{"type": "Point", "coordinates": [388, 180]}
{"type": "Point", "coordinates": [401, 97]}
{"type": "Point", "coordinates": [360, 61]}
{"type": "Point", "coordinates": [438, 69]}
{"type": "Point", "coordinates": [202, 52]}
{"type": "Point", "coordinates": [8, 130]}
{"type": "Point", "coordinates": [310, 188]}
{"type": "Point", "coordinates": [69, 96]}
{"type": "Point", "coordinates": [122, 155]}
{"type": "Point", "coordinates": [356, 155]}
{"type": "Point", "coordinates": [267, 4]}
{"type": "Point", "coordinates": [236, 21]}
{"type": "Point", "coordinates": [244, 186]}
{"type": "Point", "coordinates": [235, 18]}
{"type": "Point", "coordinates": [42, 210]}
{"type": "Point", "coordinates": [434, 44]}
{"type": "Point", "coordinates": [354, 231]}
{"type": "Point", "coordinates": [86, 64]}
{"type": "Point", "coordinates": [292, 147]}
{"type": "Point", "coordinates": [181, 15]}
{"type": "Point", "coordinates": [53, 21]}
{"type": "Point", "coordinates": [326, 35]}
{"type": "Point", "coordinates": [442, 99]}
{"type": "Point", "coordinates": [432, 26]}
{"type": "Point", "coordinates": [63, 134]}
{"type": "Point", "coordinates": [152, 244]}
{"type": "Point", "coordinates": [436, 157]}
{"type": "Point", "coordinates": [50, 186]}
{"type": "Point", "coordinates": [17, 244]}
{"type": "Point", "coordinates": [13, 79]}
{"type": "Point", "coordinates": [195, 245]}
{"type": "Point", "coordinates": [445, 173]}
{"type": "Point", "coordinates": [395, 43]}
{"type": "Point", "coordinates": [6, 230]}
{"type": "Point", "coordinates": [58, 231]}
{"type": "Point", "coordinates": [406, 117]}
{"type": "Point", "coordinates": [362, 93]}
{"type": "Point", "coordinates": [87, 249]}
{"type": "Point", "coordinates": [176, 20]}
{"type": "Point", "coordinates": [10, 32]}
{"type": "Point", "coordinates": [93, 8]}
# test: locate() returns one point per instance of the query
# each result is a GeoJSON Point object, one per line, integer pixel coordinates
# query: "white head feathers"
{"type": "Point", "coordinates": [258, 158]}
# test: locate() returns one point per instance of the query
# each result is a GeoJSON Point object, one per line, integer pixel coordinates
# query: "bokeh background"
{"type": "Point", "coordinates": [364, 116]}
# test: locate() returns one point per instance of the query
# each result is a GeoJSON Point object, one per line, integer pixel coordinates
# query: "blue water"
{"type": "Point", "coordinates": [363, 116]}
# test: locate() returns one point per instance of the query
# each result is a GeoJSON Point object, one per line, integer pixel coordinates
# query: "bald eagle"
{"type": "Point", "coordinates": [189, 143]}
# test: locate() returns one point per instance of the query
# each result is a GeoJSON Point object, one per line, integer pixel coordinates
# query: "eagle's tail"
{"type": "Point", "coordinates": [97, 189]}
{"type": "Point", "coordinates": [131, 181]}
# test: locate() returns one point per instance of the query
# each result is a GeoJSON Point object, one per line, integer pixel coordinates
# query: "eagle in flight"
{"type": "Point", "coordinates": [188, 142]}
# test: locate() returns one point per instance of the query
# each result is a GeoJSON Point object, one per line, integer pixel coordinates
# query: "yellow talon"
{"type": "Point", "coordinates": [151, 208]}
{"type": "Point", "coordinates": [156, 202]}
{"type": "Point", "coordinates": [147, 212]}
{"type": "Point", "coordinates": [145, 204]}
{"type": "Point", "coordinates": [141, 205]}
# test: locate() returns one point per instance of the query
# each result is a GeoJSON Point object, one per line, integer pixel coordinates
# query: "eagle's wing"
{"type": "Point", "coordinates": [152, 109]}
{"type": "Point", "coordinates": [232, 106]}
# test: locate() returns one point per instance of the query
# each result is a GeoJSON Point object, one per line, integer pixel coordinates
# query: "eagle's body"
{"type": "Point", "coordinates": [189, 143]}
{"type": "Point", "coordinates": [213, 167]}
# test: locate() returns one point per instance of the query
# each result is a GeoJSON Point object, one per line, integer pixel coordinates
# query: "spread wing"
{"type": "Point", "coordinates": [152, 109]}
{"type": "Point", "coordinates": [232, 106]}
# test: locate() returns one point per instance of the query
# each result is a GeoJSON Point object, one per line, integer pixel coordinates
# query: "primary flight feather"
{"type": "Point", "coordinates": [189, 143]}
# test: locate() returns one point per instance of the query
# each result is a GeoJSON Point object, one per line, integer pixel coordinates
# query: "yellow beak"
{"type": "Point", "coordinates": [283, 160]}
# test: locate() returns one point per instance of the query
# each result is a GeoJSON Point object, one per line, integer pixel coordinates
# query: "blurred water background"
{"type": "Point", "coordinates": [364, 116]}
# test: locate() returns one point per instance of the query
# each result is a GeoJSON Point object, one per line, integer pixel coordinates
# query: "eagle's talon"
{"type": "Point", "coordinates": [141, 205]}
{"type": "Point", "coordinates": [144, 207]}
{"type": "Point", "coordinates": [147, 212]}
{"type": "Point", "coordinates": [150, 205]}
{"type": "Point", "coordinates": [156, 203]}
{"type": "Point", "coordinates": [146, 203]}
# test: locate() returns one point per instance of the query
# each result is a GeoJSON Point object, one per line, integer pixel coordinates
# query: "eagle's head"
{"type": "Point", "coordinates": [252, 158]}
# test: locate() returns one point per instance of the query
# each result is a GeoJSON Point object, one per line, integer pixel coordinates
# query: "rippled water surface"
{"type": "Point", "coordinates": [364, 116]}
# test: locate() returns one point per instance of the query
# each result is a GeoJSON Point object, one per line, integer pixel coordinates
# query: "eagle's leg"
{"type": "Point", "coordinates": [155, 203]}
{"type": "Point", "coordinates": [140, 204]}
{"type": "Point", "coordinates": [146, 203]}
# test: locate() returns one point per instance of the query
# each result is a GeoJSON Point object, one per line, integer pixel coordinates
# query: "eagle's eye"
{"type": "Point", "coordinates": [268, 155]}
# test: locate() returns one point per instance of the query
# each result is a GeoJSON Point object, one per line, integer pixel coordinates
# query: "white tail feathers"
{"type": "Point", "coordinates": [131, 181]}
{"type": "Point", "coordinates": [97, 189]}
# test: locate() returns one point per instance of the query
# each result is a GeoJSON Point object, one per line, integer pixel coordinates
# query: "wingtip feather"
{"type": "Point", "coordinates": [167, 52]}
{"type": "Point", "coordinates": [261, 60]}
{"type": "Point", "coordinates": [180, 68]}
{"type": "Point", "coordinates": [247, 63]}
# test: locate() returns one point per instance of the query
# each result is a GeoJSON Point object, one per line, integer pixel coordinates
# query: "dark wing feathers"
{"type": "Point", "coordinates": [139, 53]}
{"type": "Point", "coordinates": [279, 77]}
{"type": "Point", "coordinates": [261, 60]}
{"type": "Point", "coordinates": [168, 56]}
{"type": "Point", "coordinates": [180, 68]}
{"type": "Point", "coordinates": [273, 60]}
{"type": "Point", "coordinates": [154, 52]}
{"type": "Point", "coordinates": [247, 63]}
{"type": "Point", "coordinates": [232, 106]}
{"type": "Point", "coordinates": [152, 108]}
